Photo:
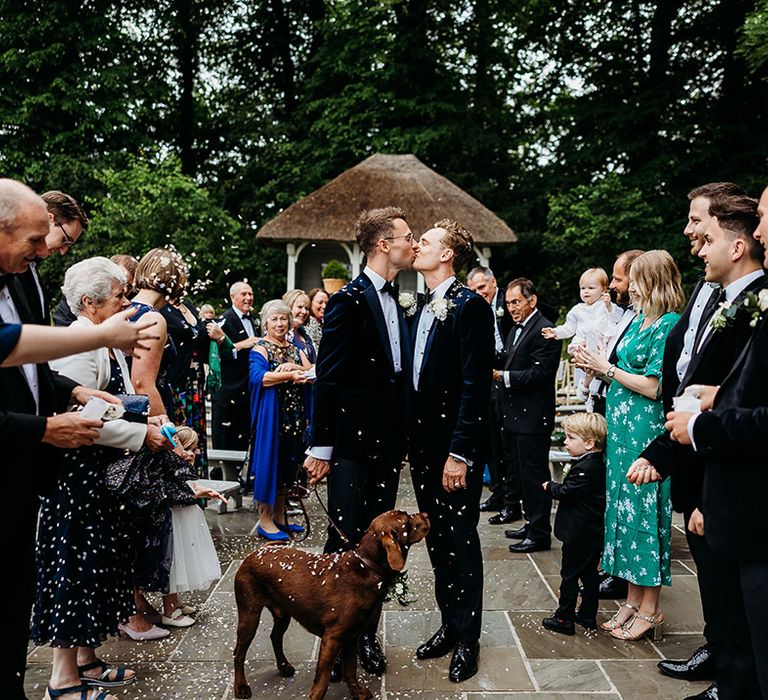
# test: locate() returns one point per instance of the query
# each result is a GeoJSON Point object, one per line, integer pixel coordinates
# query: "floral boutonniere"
{"type": "Point", "coordinates": [724, 315]}
{"type": "Point", "coordinates": [753, 303]}
{"type": "Point", "coordinates": [757, 304]}
{"type": "Point", "coordinates": [408, 303]}
{"type": "Point", "coordinates": [441, 308]}
{"type": "Point", "coordinates": [499, 312]}
{"type": "Point", "coordinates": [398, 590]}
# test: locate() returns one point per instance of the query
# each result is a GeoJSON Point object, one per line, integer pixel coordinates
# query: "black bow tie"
{"type": "Point", "coordinates": [517, 326]}
{"type": "Point", "coordinates": [5, 280]}
{"type": "Point", "coordinates": [245, 317]}
{"type": "Point", "coordinates": [391, 289]}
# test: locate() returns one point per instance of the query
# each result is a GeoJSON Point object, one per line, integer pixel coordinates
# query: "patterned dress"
{"type": "Point", "coordinates": [638, 519]}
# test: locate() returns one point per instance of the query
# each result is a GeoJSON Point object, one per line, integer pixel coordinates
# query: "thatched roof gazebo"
{"type": "Point", "coordinates": [321, 224]}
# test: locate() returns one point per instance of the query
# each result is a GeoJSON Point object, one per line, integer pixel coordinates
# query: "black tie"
{"type": "Point", "coordinates": [716, 298]}
{"type": "Point", "coordinates": [246, 317]}
{"type": "Point", "coordinates": [4, 280]}
{"type": "Point", "coordinates": [391, 289]}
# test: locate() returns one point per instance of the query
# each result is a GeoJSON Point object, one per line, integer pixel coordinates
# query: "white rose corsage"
{"type": "Point", "coordinates": [724, 315]}
{"type": "Point", "coordinates": [500, 312]}
{"type": "Point", "coordinates": [757, 304]}
{"type": "Point", "coordinates": [408, 303]}
{"type": "Point", "coordinates": [441, 308]}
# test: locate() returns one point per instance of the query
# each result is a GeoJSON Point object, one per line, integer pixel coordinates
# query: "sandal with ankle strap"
{"type": "Point", "coordinates": [104, 680]}
{"type": "Point", "coordinates": [625, 632]}
{"type": "Point", "coordinates": [84, 691]}
{"type": "Point", "coordinates": [613, 622]}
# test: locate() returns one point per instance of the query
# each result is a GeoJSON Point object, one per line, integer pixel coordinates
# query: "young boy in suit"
{"type": "Point", "coordinates": [579, 522]}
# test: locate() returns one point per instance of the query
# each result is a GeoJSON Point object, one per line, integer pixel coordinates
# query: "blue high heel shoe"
{"type": "Point", "coordinates": [272, 536]}
{"type": "Point", "coordinates": [291, 527]}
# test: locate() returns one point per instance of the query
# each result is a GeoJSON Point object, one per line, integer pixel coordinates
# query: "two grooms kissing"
{"type": "Point", "coordinates": [409, 378]}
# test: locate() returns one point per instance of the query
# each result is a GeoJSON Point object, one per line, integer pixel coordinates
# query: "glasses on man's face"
{"type": "Point", "coordinates": [68, 240]}
{"type": "Point", "coordinates": [408, 237]}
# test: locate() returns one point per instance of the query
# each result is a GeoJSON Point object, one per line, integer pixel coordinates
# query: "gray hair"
{"type": "Point", "coordinates": [274, 306]}
{"type": "Point", "coordinates": [481, 270]}
{"type": "Point", "coordinates": [235, 288]}
{"type": "Point", "coordinates": [15, 197]}
{"type": "Point", "coordinates": [92, 278]}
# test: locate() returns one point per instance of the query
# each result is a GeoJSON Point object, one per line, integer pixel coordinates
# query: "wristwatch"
{"type": "Point", "coordinates": [611, 372]}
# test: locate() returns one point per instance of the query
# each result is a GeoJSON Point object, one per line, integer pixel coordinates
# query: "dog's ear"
{"type": "Point", "coordinates": [395, 556]}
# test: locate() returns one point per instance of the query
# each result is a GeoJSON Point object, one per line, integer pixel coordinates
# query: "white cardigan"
{"type": "Point", "coordinates": [92, 369]}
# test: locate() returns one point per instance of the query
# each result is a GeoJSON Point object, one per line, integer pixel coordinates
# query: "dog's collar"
{"type": "Point", "coordinates": [377, 569]}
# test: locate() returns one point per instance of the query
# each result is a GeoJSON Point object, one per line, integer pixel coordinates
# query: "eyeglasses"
{"type": "Point", "coordinates": [68, 240]}
{"type": "Point", "coordinates": [408, 237]}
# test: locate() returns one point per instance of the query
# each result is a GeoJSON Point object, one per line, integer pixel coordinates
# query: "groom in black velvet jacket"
{"type": "Point", "coordinates": [361, 394]}
{"type": "Point", "coordinates": [453, 342]}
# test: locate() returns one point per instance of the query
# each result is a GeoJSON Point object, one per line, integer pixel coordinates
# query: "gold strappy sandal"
{"type": "Point", "coordinates": [614, 622]}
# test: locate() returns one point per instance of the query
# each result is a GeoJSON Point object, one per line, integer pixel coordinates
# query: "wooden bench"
{"type": "Point", "coordinates": [228, 489]}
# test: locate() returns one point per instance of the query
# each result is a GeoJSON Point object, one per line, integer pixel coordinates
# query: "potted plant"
{"type": "Point", "coordinates": [335, 276]}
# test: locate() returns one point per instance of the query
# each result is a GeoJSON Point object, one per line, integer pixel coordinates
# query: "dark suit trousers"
{"type": "Point", "coordinates": [230, 423]}
{"type": "Point", "coordinates": [505, 482]}
{"type": "Point", "coordinates": [706, 562]}
{"type": "Point", "coordinates": [528, 456]}
{"type": "Point", "coordinates": [453, 545]}
{"type": "Point", "coordinates": [20, 550]}
{"type": "Point", "coordinates": [578, 564]}
{"type": "Point", "coordinates": [754, 586]}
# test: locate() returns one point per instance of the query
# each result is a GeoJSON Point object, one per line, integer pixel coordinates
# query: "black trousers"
{"type": "Point", "coordinates": [453, 545]}
{"type": "Point", "coordinates": [20, 551]}
{"type": "Point", "coordinates": [742, 660]}
{"type": "Point", "coordinates": [578, 564]}
{"type": "Point", "coordinates": [505, 481]}
{"type": "Point", "coordinates": [230, 423]}
{"type": "Point", "coordinates": [356, 495]}
{"type": "Point", "coordinates": [528, 456]}
{"type": "Point", "coordinates": [706, 563]}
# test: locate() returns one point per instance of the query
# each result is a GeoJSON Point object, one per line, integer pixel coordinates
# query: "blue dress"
{"type": "Point", "coordinates": [84, 578]}
{"type": "Point", "coordinates": [9, 336]}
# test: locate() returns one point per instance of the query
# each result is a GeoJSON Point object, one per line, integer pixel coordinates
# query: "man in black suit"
{"type": "Point", "coordinates": [453, 349]}
{"type": "Point", "coordinates": [360, 397]}
{"type": "Point", "coordinates": [30, 432]}
{"type": "Point", "coordinates": [527, 385]}
{"type": "Point", "coordinates": [482, 281]}
{"type": "Point", "coordinates": [230, 406]}
{"type": "Point", "coordinates": [696, 354]}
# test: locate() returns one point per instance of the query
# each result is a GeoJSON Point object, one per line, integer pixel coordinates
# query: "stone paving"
{"type": "Point", "coordinates": [518, 659]}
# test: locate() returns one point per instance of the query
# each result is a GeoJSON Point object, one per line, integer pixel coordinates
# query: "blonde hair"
{"type": "Point", "coordinates": [597, 273]}
{"type": "Point", "coordinates": [162, 270]}
{"type": "Point", "coordinates": [186, 437]}
{"type": "Point", "coordinates": [588, 426]}
{"type": "Point", "coordinates": [658, 283]}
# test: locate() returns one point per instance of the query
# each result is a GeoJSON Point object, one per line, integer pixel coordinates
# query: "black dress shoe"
{"type": "Point", "coordinates": [464, 661]}
{"type": "Point", "coordinates": [371, 656]}
{"type": "Point", "coordinates": [586, 622]}
{"type": "Point", "coordinates": [491, 505]}
{"type": "Point", "coordinates": [528, 545]}
{"type": "Point", "coordinates": [336, 670]}
{"type": "Point", "coordinates": [558, 624]}
{"type": "Point", "coordinates": [611, 588]}
{"type": "Point", "coordinates": [520, 534]}
{"type": "Point", "coordinates": [506, 516]}
{"type": "Point", "coordinates": [708, 694]}
{"type": "Point", "coordinates": [700, 667]}
{"type": "Point", "coordinates": [439, 644]}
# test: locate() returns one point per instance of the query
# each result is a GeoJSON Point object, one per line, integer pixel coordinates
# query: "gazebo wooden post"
{"type": "Point", "coordinates": [293, 258]}
{"type": "Point", "coordinates": [355, 256]}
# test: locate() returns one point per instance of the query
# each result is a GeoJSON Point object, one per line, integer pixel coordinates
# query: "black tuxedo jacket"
{"type": "Point", "coordinates": [359, 404]}
{"type": "Point", "coordinates": [529, 402]}
{"type": "Point", "coordinates": [451, 405]}
{"type": "Point", "coordinates": [581, 511]}
{"type": "Point", "coordinates": [719, 351]}
{"type": "Point", "coordinates": [732, 441]}
{"type": "Point", "coordinates": [27, 287]}
{"type": "Point", "coordinates": [234, 370]}
{"type": "Point", "coordinates": [31, 464]}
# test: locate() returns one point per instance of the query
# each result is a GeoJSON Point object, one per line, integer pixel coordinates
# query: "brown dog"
{"type": "Point", "coordinates": [335, 596]}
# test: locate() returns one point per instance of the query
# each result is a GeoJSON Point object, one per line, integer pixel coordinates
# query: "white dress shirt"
{"type": "Point", "coordinates": [245, 321]}
{"type": "Point", "coordinates": [516, 337]}
{"type": "Point", "coordinates": [426, 319]}
{"type": "Point", "coordinates": [389, 309]}
{"type": "Point", "coordinates": [9, 314]}
{"type": "Point", "coordinates": [693, 326]}
{"type": "Point", "coordinates": [497, 321]}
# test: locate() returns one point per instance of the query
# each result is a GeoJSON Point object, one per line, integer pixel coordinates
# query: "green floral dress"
{"type": "Point", "coordinates": [638, 519]}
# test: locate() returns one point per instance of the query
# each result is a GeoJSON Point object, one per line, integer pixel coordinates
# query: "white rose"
{"type": "Point", "coordinates": [762, 299]}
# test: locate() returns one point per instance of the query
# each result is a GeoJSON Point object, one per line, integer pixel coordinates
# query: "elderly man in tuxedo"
{"type": "Point", "coordinates": [527, 385]}
{"type": "Point", "coordinates": [360, 397]}
{"type": "Point", "coordinates": [230, 406]}
{"type": "Point", "coordinates": [453, 336]}
{"type": "Point", "coordinates": [34, 422]}
{"type": "Point", "coordinates": [729, 436]}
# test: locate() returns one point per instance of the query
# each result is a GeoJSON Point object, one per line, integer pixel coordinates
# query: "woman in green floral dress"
{"type": "Point", "coordinates": [638, 519]}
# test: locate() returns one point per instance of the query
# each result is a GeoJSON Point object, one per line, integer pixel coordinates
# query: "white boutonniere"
{"type": "Point", "coordinates": [757, 303]}
{"type": "Point", "coordinates": [408, 303]}
{"type": "Point", "coordinates": [724, 316]}
{"type": "Point", "coordinates": [499, 312]}
{"type": "Point", "coordinates": [441, 308]}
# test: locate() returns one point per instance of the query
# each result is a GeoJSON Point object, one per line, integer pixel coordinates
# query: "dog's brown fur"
{"type": "Point", "coordinates": [335, 596]}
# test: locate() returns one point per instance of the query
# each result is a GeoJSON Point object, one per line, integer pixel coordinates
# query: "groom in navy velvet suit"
{"type": "Point", "coordinates": [453, 341]}
{"type": "Point", "coordinates": [361, 394]}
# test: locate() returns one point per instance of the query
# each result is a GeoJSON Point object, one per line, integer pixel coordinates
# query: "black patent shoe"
{"type": "Point", "coordinates": [491, 505]}
{"type": "Point", "coordinates": [611, 588]}
{"type": "Point", "coordinates": [371, 656]}
{"type": "Point", "coordinates": [520, 534]}
{"type": "Point", "coordinates": [699, 667]}
{"type": "Point", "coordinates": [558, 624]}
{"type": "Point", "coordinates": [506, 516]}
{"type": "Point", "coordinates": [527, 546]}
{"type": "Point", "coordinates": [464, 661]}
{"type": "Point", "coordinates": [439, 644]}
{"type": "Point", "coordinates": [708, 694]}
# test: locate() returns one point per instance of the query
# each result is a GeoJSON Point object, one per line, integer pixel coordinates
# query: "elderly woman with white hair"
{"type": "Point", "coordinates": [279, 419]}
{"type": "Point", "coordinates": [84, 587]}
